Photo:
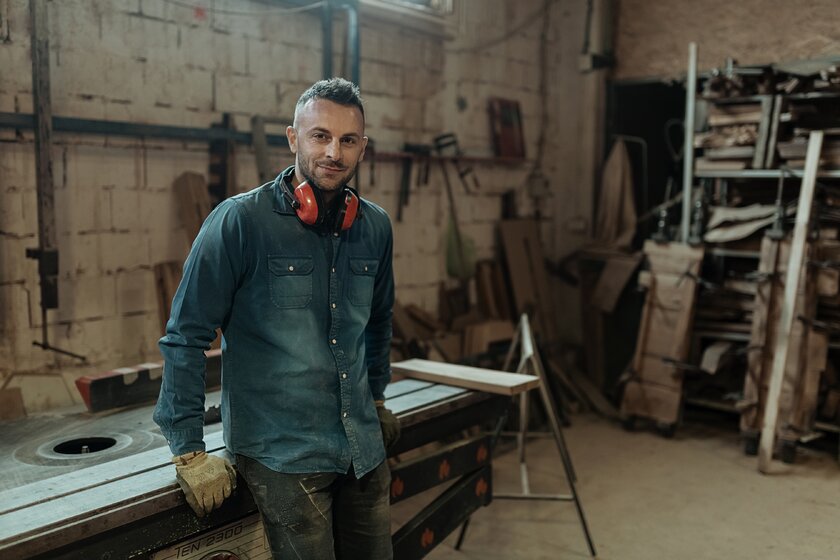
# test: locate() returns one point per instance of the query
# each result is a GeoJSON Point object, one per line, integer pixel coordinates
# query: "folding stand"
{"type": "Point", "coordinates": [530, 363]}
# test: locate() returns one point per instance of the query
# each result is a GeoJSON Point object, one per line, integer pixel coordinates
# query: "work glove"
{"type": "Point", "coordinates": [389, 424]}
{"type": "Point", "coordinates": [205, 479]}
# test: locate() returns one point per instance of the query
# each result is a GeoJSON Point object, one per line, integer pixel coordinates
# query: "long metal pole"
{"type": "Point", "coordinates": [47, 252]}
{"type": "Point", "coordinates": [688, 144]}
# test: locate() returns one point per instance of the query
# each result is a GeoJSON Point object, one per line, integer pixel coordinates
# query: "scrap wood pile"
{"type": "Point", "coordinates": [480, 332]}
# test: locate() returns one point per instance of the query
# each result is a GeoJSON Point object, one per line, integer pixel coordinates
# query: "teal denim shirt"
{"type": "Point", "coordinates": [306, 322]}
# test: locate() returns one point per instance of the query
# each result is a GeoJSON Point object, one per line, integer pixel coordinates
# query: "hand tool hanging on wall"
{"type": "Point", "coordinates": [449, 141]}
{"type": "Point", "coordinates": [421, 152]}
{"type": "Point", "coordinates": [405, 187]}
{"type": "Point", "coordinates": [458, 259]}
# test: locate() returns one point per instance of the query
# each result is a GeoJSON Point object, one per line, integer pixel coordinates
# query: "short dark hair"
{"type": "Point", "coordinates": [337, 90]}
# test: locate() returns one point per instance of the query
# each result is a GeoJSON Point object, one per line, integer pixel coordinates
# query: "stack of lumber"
{"type": "Point", "coordinates": [759, 117]}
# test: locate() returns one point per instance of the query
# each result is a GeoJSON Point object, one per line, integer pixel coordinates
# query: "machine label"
{"type": "Point", "coordinates": [242, 540]}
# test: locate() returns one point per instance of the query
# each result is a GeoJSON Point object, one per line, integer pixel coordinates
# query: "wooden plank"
{"type": "Point", "coordinates": [484, 280]}
{"type": "Point", "coordinates": [593, 395]}
{"type": "Point", "coordinates": [167, 278]}
{"type": "Point", "coordinates": [135, 384]}
{"type": "Point", "coordinates": [804, 411]}
{"type": "Point", "coordinates": [800, 234]}
{"type": "Point", "coordinates": [762, 337]}
{"type": "Point", "coordinates": [488, 380]}
{"type": "Point", "coordinates": [193, 202]}
{"type": "Point", "coordinates": [764, 127]}
{"type": "Point", "coordinates": [772, 141]}
{"type": "Point", "coordinates": [526, 268]}
{"type": "Point", "coordinates": [482, 335]}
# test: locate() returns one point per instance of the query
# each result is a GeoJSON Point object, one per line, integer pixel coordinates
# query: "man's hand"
{"type": "Point", "coordinates": [205, 479]}
{"type": "Point", "coordinates": [389, 424]}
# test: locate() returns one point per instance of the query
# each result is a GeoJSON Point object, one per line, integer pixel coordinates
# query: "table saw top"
{"type": "Point", "coordinates": [52, 488]}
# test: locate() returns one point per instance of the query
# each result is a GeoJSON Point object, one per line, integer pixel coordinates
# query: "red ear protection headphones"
{"type": "Point", "coordinates": [311, 208]}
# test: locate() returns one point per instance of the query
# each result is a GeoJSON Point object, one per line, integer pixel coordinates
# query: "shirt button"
{"type": "Point", "coordinates": [334, 341]}
{"type": "Point", "coordinates": [291, 268]}
{"type": "Point", "coordinates": [333, 306]}
{"type": "Point", "coordinates": [365, 269]}
{"type": "Point", "coordinates": [345, 415]}
{"type": "Point", "coordinates": [344, 375]}
{"type": "Point", "coordinates": [333, 270]}
{"type": "Point", "coordinates": [335, 234]}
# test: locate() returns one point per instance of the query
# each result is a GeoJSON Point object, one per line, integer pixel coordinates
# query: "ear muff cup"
{"type": "Point", "coordinates": [311, 208]}
{"type": "Point", "coordinates": [351, 208]}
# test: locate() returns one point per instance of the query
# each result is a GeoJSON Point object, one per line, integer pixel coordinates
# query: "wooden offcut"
{"type": "Point", "coordinates": [167, 278]}
{"type": "Point", "coordinates": [528, 278]}
{"type": "Point", "coordinates": [807, 348]}
{"type": "Point", "coordinates": [480, 379]}
{"type": "Point", "coordinates": [479, 337]}
{"type": "Point", "coordinates": [193, 202]}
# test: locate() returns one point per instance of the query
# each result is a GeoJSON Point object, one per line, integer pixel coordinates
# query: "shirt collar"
{"type": "Point", "coordinates": [281, 203]}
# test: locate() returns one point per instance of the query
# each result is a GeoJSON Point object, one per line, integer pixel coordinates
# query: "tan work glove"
{"type": "Point", "coordinates": [205, 479]}
{"type": "Point", "coordinates": [389, 424]}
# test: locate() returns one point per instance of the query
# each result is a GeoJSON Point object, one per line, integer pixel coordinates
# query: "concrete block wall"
{"type": "Point", "coordinates": [653, 37]}
{"type": "Point", "coordinates": [152, 61]}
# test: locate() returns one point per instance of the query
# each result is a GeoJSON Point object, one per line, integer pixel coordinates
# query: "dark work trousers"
{"type": "Point", "coordinates": [322, 516]}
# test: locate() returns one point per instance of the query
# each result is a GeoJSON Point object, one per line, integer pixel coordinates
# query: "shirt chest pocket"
{"type": "Point", "coordinates": [290, 281]}
{"type": "Point", "coordinates": [362, 276]}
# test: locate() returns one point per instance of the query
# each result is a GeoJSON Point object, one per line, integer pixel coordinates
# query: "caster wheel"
{"type": "Point", "coordinates": [629, 423]}
{"type": "Point", "coordinates": [787, 452]}
{"type": "Point", "coordinates": [666, 430]}
{"type": "Point", "coordinates": [751, 445]}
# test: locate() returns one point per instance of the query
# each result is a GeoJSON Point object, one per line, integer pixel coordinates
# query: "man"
{"type": "Point", "coordinates": [298, 275]}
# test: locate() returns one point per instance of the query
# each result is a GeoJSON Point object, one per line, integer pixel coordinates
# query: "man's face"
{"type": "Point", "coordinates": [328, 142]}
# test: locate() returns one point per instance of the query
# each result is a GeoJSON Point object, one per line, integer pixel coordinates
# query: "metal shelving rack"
{"type": "Point", "coordinates": [690, 174]}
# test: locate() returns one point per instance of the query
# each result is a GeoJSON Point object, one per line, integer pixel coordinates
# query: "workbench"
{"type": "Point", "coordinates": [102, 486]}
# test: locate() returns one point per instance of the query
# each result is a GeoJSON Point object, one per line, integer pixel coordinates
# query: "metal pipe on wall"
{"type": "Point", "coordinates": [688, 143]}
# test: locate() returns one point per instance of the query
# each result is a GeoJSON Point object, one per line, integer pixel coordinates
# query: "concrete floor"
{"type": "Point", "coordinates": [696, 497]}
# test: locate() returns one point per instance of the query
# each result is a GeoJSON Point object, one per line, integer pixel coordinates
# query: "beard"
{"type": "Point", "coordinates": [306, 168]}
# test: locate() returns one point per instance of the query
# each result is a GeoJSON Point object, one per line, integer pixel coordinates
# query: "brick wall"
{"type": "Point", "coordinates": [151, 61]}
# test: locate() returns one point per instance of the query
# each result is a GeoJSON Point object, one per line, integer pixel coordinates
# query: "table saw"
{"type": "Point", "coordinates": [79, 485]}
